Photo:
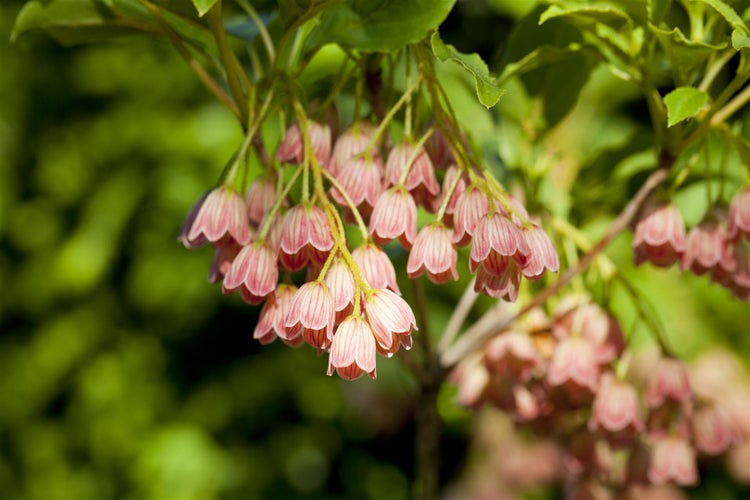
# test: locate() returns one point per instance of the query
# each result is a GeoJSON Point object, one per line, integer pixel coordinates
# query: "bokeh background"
{"type": "Point", "coordinates": [124, 374]}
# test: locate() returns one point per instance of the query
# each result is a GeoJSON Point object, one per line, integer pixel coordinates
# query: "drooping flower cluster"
{"type": "Point", "coordinates": [717, 246]}
{"type": "Point", "coordinates": [349, 303]}
{"type": "Point", "coordinates": [615, 430]}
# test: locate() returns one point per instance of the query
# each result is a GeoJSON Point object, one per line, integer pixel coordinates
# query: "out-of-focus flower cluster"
{"type": "Point", "coordinates": [349, 303]}
{"type": "Point", "coordinates": [718, 246]}
{"type": "Point", "coordinates": [612, 424]}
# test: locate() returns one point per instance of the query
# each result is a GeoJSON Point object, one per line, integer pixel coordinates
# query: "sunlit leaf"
{"type": "Point", "coordinates": [683, 103]}
{"type": "Point", "coordinates": [487, 88]}
{"type": "Point", "coordinates": [380, 25]}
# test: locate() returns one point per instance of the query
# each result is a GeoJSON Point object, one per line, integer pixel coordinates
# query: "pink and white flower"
{"type": "Point", "coordinates": [312, 315]}
{"type": "Point", "coordinates": [254, 272]}
{"type": "Point", "coordinates": [353, 349]}
{"type": "Point", "coordinates": [341, 284]}
{"type": "Point", "coordinates": [497, 242]}
{"type": "Point", "coordinates": [217, 217]}
{"type": "Point", "coordinates": [739, 215]}
{"type": "Point", "coordinates": [672, 459]}
{"type": "Point", "coordinates": [350, 143]}
{"type": "Point", "coordinates": [305, 237]}
{"type": "Point", "coordinates": [377, 269]}
{"type": "Point", "coordinates": [471, 206]}
{"type": "Point", "coordinates": [433, 253]}
{"type": "Point", "coordinates": [420, 181]}
{"type": "Point", "coordinates": [391, 319]}
{"type": "Point", "coordinates": [394, 216]}
{"type": "Point", "coordinates": [542, 254]}
{"type": "Point", "coordinates": [259, 198]}
{"type": "Point", "coordinates": [668, 381]}
{"type": "Point", "coordinates": [616, 407]}
{"type": "Point", "coordinates": [659, 236]}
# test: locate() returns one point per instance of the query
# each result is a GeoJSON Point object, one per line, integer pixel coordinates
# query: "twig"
{"type": "Point", "coordinates": [487, 327]}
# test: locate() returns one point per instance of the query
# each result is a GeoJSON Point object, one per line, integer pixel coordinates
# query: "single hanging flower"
{"type": "Point", "coordinates": [391, 319]}
{"type": "Point", "coordinates": [351, 143]}
{"type": "Point", "coordinates": [353, 349]}
{"type": "Point", "coordinates": [254, 272]}
{"type": "Point", "coordinates": [217, 217]}
{"type": "Point", "coordinates": [394, 216]}
{"type": "Point", "coordinates": [377, 268]}
{"type": "Point", "coordinates": [433, 253]}
{"type": "Point", "coordinates": [305, 237]}
{"type": "Point", "coordinates": [542, 254]}
{"type": "Point", "coordinates": [659, 236]}
{"type": "Point", "coordinates": [311, 314]}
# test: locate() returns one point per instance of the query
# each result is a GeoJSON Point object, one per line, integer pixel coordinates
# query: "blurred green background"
{"type": "Point", "coordinates": [125, 374]}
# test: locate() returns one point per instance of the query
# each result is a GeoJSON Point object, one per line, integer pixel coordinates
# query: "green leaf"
{"type": "Point", "coordinates": [379, 25]}
{"type": "Point", "coordinates": [76, 21]}
{"type": "Point", "coordinates": [595, 12]}
{"type": "Point", "coordinates": [203, 6]}
{"type": "Point", "coordinates": [683, 103]}
{"type": "Point", "coordinates": [487, 89]}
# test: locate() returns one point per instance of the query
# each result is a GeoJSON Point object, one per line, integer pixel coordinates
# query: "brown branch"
{"type": "Point", "coordinates": [489, 324]}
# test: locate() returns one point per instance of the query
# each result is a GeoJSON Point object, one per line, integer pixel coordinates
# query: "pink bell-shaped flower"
{"type": "Point", "coordinates": [353, 349]}
{"type": "Point", "coordinates": [434, 253]}
{"type": "Point", "coordinates": [496, 242]}
{"type": "Point", "coordinates": [218, 216]}
{"type": "Point", "coordinates": [361, 180]}
{"type": "Point", "coordinates": [712, 430]}
{"type": "Point", "coordinates": [659, 236]}
{"type": "Point", "coordinates": [292, 146]}
{"type": "Point", "coordinates": [391, 319]}
{"type": "Point", "coordinates": [376, 267]}
{"type": "Point", "coordinates": [254, 271]}
{"type": "Point", "coordinates": [471, 206]}
{"type": "Point", "coordinates": [704, 248]}
{"type": "Point", "coordinates": [311, 314]}
{"type": "Point", "coordinates": [616, 407]}
{"type": "Point", "coordinates": [542, 254]}
{"type": "Point", "coordinates": [394, 216]}
{"type": "Point", "coordinates": [305, 237]}
{"type": "Point", "coordinates": [668, 381]}
{"type": "Point", "coordinates": [574, 365]}
{"type": "Point", "coordinates": [499, 286]}
{"type": "Point", "coordinates": [273, 314]}
{"type": "Point", "coordinates": [341, 284]}
{"type": "Point", "coordinates": [672, 459]}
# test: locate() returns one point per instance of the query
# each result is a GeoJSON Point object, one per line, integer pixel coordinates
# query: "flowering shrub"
{"type": "Point", "coordinates": [341, 178]}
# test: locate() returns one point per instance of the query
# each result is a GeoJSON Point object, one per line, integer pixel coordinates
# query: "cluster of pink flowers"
{"type": "Point", "coordinates": [349, 303]}
{"type": "Point", "coordinates": [718, 246]}
{"type": "Point", "coordinates": [566, 378]}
